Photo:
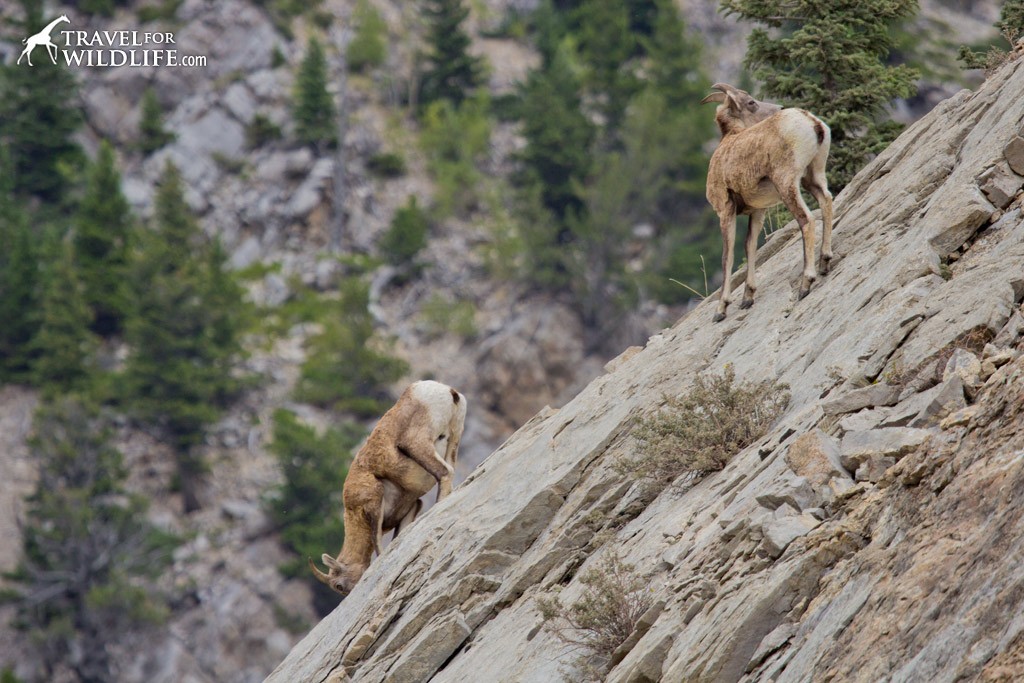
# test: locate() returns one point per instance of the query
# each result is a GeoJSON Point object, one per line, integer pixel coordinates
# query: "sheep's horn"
{"type": "Point", "coordinates": [320, 576]}
{"type": "Point", "coordinates": [724, 87]}
{"type": "Point", "coordinates": [714, 97]}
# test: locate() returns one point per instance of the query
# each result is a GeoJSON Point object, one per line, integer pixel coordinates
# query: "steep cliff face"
{"type": "Point", "coordinates": [874, 533]}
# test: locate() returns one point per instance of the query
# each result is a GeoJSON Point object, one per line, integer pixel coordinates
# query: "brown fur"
{"type": "Point", "coordinates": [765, 156]}
{"type": "Point", "coordinates": [397, 465]}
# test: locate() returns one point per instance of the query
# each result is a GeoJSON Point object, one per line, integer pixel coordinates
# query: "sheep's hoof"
{"type": "Point", "coordinates": [746, 303]}
{"type": "Point", "coordinates": [719, 317]}
{"type": "Point", "coordinates": [824, 265]}
{"type": "Point", "coordinates": [804, 291]}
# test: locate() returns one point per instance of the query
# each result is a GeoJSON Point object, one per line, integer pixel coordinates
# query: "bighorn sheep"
{"type": "Point", "coordinates": [766, 154]}
{"type": "Point", "coordinates": [413, 447]}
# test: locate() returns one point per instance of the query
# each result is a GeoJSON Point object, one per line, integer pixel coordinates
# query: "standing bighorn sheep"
{"type": "Point", "coordinates": [413, 447]}
{"type": "Point", "coordinates": [766, 154]}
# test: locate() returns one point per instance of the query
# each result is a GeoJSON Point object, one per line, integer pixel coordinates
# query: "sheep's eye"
{"type": "Point", "coordinates": [752, 105]}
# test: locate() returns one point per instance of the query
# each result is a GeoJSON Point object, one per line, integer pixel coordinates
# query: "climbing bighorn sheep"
{"type": "Point", "coordinates": [413, 447]}
{"type": "Point", "coordinates": [766, 154]}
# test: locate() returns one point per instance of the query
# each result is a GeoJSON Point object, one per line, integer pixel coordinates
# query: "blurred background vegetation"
{"type": "Point", "coordinates": [124, 322]}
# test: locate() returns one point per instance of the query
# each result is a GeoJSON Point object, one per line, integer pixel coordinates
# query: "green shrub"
{"type": "Point", "coordinates": [699, 432]}
{"type": "Point", "coordinates": [261, 131]}
{"type": "Point", "coordinates": [407, 234]}
{"type": "Point", "coordinates": [600, 621]}
{"type": "Point", "coordinates": [162, 11]}
{"type": "Point", "coordinates": [443, 316]}
{"type": "Point", "coordinates": [368, 48]}
{"type": "Point", "coordinates": [386, 165]}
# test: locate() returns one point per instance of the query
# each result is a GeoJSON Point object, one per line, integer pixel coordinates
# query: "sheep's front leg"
{"type": "Point", "coordinates": [753, 230]}
{"type": "Point", "coordinates": [727, 219]}
{"type": "Point", "coordinates": [409, 518]}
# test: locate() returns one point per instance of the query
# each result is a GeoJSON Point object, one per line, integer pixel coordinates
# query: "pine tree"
{"type": "Point", "coordinates": [37, 121]}
{"type": "Point", "coordinates": [313, 109]}
{"type": "Point", "coordinates": [452, 73]}
{"type": "Point", "coordinates": [104, 235]}
{"type": "Point", "coordinates": [87, 578]}
{"type": "Point", "coordinates": [183, 333]}
{"type": "Point", "coordinates": [407, 235]}
{"type": "Point", "coordinates": [64, 345]}
{"type": "Point", "coordinates": [1011, 18]}
{"type": "Point", "coordinates": [828, 56]}
{"type": "Point", "coordinates": [152, 134]}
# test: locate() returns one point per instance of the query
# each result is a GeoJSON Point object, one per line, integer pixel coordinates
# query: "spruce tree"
{"type": "Point", "coordinates": [829, 56]}
{"type": "Point", "coordinates": [38, 119]}
{"type": "Point", "coordinates": [313, 108]}
{"type": "Point", "coordinates": [87, 577]}
{"type": "Point", "coordinates": [606, 45]}
{"type": "Point", "coordinates": [452, 73]}
{"type": "Point", "coordinates": [104, 235]}
{"type": "Point", "coordinates": [183, 333]}
{"type": "Point", "coordinates": [152, 134]}
{"type": "Point", "coordinates": [64, 345]}
{"type": "Point", "coordinates": [19, 281]}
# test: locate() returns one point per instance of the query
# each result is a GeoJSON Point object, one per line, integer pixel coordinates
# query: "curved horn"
{"type": "Point", "coordinates": [320, 576]}
{"type": "Point", "coordinates": [724, 87]}
{"type": "Point", "coordinates": [718, 97]}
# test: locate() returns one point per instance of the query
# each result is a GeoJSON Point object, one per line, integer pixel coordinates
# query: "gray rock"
{"type": "Point", "coordinates": [873, 467]}
{"type": "Point", "coordinates": [857, 447]}
{"type": "Point", "coordinates": [246, 254]}
{"type": "Point", "coordinates": [779, 533]}
{"type": "Point", "coordinates": [795, 491]}
{"type": "Point", "coordinates": [865, 397]}
{"type": "Point", "coordinates": [948, 399]}
{"type": "Point", "coordinates": [1000, 185]}
{"type": "Point", "coordinates": [422, 657]}
{"type": "Point", "coordinates": [966, 366]}
{"type": "Point", "coordinates": [1014, 153]}
{"type": "Point", "coordinates": [275, 290]}
{"type": "Point", "coordinates": [815, 457]}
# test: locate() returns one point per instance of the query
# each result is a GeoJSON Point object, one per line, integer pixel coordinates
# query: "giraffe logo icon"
{"type": "Point", "coordinates": [42, 38]}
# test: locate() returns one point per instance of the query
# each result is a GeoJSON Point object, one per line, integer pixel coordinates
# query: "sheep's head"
{"type": "Point", "coordinates": [339, 577]}
{"type": "Point", "coordinates": [737, 110]}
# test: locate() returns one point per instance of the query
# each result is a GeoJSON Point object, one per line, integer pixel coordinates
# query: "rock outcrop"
{"type": "Point", "coordinates": [872, 534]}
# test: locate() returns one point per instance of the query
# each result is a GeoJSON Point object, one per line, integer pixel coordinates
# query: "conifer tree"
{"type": "Point", "coordinates": [19, 281]}
{"type": "Point", "coordinates": [313, 109]}
{"type": "Point", "coordinates": [104, 235]}
{"type": "Point", "coordinates": [183, 333]}
{"type": "Point", "coordinates": [38, 119]}
{"type": "Point", "coordinates": [152, 134]}
{"type": "Point", "coordinates": [606, 45]}
{"type": "Point", "coordinates": [63, 345]}
{"type": "Point", "coordinates": [89, 552]}
{"type": "Point", "coordinates": [452, 73]}
{"type": "Point", "coordinates": [828, 56]}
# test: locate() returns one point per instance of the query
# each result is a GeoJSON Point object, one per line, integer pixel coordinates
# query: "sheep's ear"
{"type": "Point", "coordinates": [329, 561]}
{"type": "Point", "coordinates": [718, 97]}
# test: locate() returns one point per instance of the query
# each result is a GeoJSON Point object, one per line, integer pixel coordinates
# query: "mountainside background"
{"type": "Point", "coordinates": [333, 292]}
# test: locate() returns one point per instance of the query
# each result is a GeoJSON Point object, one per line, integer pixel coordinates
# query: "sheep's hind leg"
{"type": "Point", "coordinates": [753, 230]}
{"type": "Point", "coordinates": [796, 205]}
{"type": "Point", "coordinates": [727, 220]}
{"type": "Point", "coordinates": [817, 184]}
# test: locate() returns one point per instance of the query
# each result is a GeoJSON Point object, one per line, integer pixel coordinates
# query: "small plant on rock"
{"type": "Point", "coordinates": [699, 432]}
{"type": "Point", "coordinates": [594, 626]}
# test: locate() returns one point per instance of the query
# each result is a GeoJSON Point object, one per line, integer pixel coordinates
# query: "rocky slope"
{"type": "Point", "coordinates": [874, 533]}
